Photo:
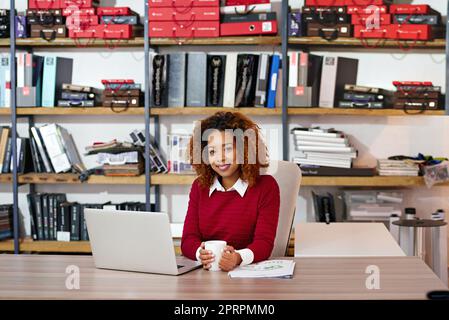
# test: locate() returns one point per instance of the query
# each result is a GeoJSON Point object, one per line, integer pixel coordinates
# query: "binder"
{"type": "Point", "coordinates": [246, 79]}
{"type": "Point", "coordinates": [274, 73]}
{"type": "Point", "coordinates": [230, 80]}
{"type": "Point", "coordinates": [159, 79]}
{"type": "Point", "coordinates": [41, 150]}
{"type": "Point", "coordinates": [55, 149]}
{"type": "Point", "coordinates": [20, 73]}
{"type": "Point", "coordinates": [337, 72]}
{"type": "Point", "coordinates": [293, 69]}
{"type": "Point", "coordinates": [38, 69]}
{"type": "Point", "coordinates": [4, 72]}
{"type": "Point", "coordinates": [216, 65]}
{"type": "Point", "coordinates": [262, 80]}
{"type": "Point", "coordinates": [176, 85]}
{"type": "Point", "coordinates": [196, 79]}
{"type": "Point", "coordinates": [26, 97]}
{"type": "Point", "coordinates": [57, 71]}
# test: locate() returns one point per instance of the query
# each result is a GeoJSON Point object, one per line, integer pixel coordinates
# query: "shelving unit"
{"type": "Point", "coordinates": [152, 182]}
{"type": "Point", "coordinates": [195, 111]}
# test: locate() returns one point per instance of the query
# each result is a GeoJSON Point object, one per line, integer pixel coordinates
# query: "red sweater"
{"type": "Point", "coordinates": [243, 222]}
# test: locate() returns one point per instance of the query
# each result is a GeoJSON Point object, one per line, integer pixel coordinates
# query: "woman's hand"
{"type": "Point", "coordinates": [230, 259]}
{"type": "Point", "coordinates": [206, 257]}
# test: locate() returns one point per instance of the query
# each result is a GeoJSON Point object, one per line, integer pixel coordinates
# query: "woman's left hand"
{"type": "Point", "coordinates": [229, 259]}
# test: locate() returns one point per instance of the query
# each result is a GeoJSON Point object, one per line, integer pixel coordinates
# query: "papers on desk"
{"type": "Point", "coordinates": [265, 269]}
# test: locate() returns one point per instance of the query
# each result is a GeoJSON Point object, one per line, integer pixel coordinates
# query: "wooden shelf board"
{"type": "Point", "coordinates": [369, 43]}
{"type": "Point", "coordinates": [5, 178]}
{"type": "Point", "coordinates": [179, 179]}
{"type": "Point", "coordinates": [28, 245]}
{"type": "Point", "coordinates": [139, 42]}
{"type": "Point", "coordinates": [193, 111]}
{"type": "Point", "coordinates": [361, 112]}
{"type": "Point", "coordinates": [255, 40]}
{"type": "Point", "coordinates": [80, 43]}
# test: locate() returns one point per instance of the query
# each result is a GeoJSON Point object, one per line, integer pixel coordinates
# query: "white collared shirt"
{"type": "Point", "coordinates": [240, 186]}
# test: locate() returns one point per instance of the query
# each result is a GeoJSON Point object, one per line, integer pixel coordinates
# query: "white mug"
{"type": "Point", "coordinates": [217, 248]}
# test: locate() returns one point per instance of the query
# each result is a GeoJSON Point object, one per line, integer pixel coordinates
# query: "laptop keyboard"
{"type": "Point", "coordinates": [179, 266]}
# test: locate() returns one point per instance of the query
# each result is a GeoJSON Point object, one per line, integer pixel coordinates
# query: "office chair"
{"type": "Point", "coordinates": [288, 177]}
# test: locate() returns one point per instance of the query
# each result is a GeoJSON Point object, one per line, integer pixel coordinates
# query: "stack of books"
{"type": "Point", "coordinates": [158, 163]}
{"type": "Point", "coordinates": [326, 152]}
{"type": "Point", "coordinates": [118, 158]}
{"type": "Point", "coordinates": [77, 96]}
{"type": "Point", "coordinates": [417, 95]}
{"type": "Point", "coordinates": [322, 147]}
{"type": "Point", "coordinates": [387, 167]}
{"type": "Point", "coordinates": [53, 150]}
{"type": "Point", "coordinates": [178, 151]}
{"type": "Point", "coordinates": [248, 17]}
{"type": "Point", "coordinates": [6, 221]}
{"type": "Point", "coordinates": [54, 218]}
{"type": "Point", "coordinates": [121, 93]}
{"type": "Point", "coordinates": [355, 96]}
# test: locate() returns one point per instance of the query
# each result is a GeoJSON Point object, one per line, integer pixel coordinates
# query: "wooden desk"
{"type": "Point", "coordinates": [44, 277]}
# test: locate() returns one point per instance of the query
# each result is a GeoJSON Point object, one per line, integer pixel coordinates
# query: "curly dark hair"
{"type": "Point", "coordinates": [254, 147]}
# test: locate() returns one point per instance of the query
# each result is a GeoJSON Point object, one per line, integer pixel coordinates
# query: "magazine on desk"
{"type": "Point", "coordinates": [265, 269]}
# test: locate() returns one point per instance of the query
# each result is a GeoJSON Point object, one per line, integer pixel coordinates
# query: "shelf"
{"type": "Point", "coordinates": [180, 179]}
{"type": "Point", "coordinates": [139, 42]}
{"type": "Point", "coordinates": [194, 111]}
{"type": "Point", "coordinates": [369, 43]}
{"type": "Point", "coordinates": [28, 245]}
{"type": "Point", "coordinates": [307, 181]}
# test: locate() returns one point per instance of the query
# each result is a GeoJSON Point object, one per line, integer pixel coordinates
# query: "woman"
{"type": "Point", "coordinates": [230, 200]}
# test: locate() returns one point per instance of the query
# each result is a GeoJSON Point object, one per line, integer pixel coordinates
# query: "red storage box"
{"type": "Point", "coordinates": [85, 32]}
{"type": "Point", "coordinates": [410, 32]}
{"type": "Point", "coordinates": [245, 2]}
{"type": "Point", "coordinates": [81, 12]}
{"type": "Point", "coordinates": [339, 3]}
{"type": "Point", "coordinates": [44, 4]}
{"type": "Point", "coordinates": [76, 20]}
{"type": "Point", "coordinates": [195, 29]}
{"type": "Point", "coordinates": [384, 19]}
{"type": "Point", "coordinates": [114, 11]}
{"type": "Point", "coordinates": [248, 28]}
{"type": "Point", "coordinates": [409, 9]}
{"type": "Point", "coordinates": [364, 9]}
{"type": "Point", "coordinates": [79, 3]}
{"type": "Point", "coordinates": [195, 14]}
{"type": "Point", "coordinates": [361, 32]}
{"type": "Point", "coordinates": [181, 5]}
{"type": "Point", "coordinates": [103, 31]}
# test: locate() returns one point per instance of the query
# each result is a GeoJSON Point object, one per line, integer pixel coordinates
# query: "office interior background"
{"type": "Point", "coordinates": [374, 137]}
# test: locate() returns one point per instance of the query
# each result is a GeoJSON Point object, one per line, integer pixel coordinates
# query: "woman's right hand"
{"type": "Point", "coordinates": [206, 257]}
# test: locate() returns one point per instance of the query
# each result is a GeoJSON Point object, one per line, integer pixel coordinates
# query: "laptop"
{"type": "Point", "coordinates": [134, 241]}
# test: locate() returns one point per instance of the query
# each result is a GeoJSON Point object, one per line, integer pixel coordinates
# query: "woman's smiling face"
{"type": "Point", "coordinates": [221, 153]}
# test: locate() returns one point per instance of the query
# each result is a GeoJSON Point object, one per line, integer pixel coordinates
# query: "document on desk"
{"type": "Point", "coordinates": [265, 269]}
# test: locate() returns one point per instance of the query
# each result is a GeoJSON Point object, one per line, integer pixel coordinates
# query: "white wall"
{"type": "Point", "coordinates": [375, 137]}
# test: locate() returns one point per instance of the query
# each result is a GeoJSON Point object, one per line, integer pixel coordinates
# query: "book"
{"type": "Point", "coordinates": [196, 79]}
{"type": "Point", "coordinates": [216, 66]}
{"type": "Point", "coordinates": [57, 71]}
{"type": "Point", "coordinates": [177, 75]}
{"type": "Point", "coordinates": [336, 73]}
{"type": "Point", "coordinates": [265, 269]}
{"type": "Point", "coordinates": [230, 80]}
{"type": "Point", "coordinates": [273, 81]}
{"type": "Point", "coordinates": [322, 171]}
{"type": "Point", "coordinates": [55, 149]}
{"type": "Point", "coordinates": [4, 78]}
{"type": "Point", "coordinates": [262, 80]}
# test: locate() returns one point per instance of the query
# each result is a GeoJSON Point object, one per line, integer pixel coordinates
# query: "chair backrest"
{"type": "Point", "coordinates": [288, 177]}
